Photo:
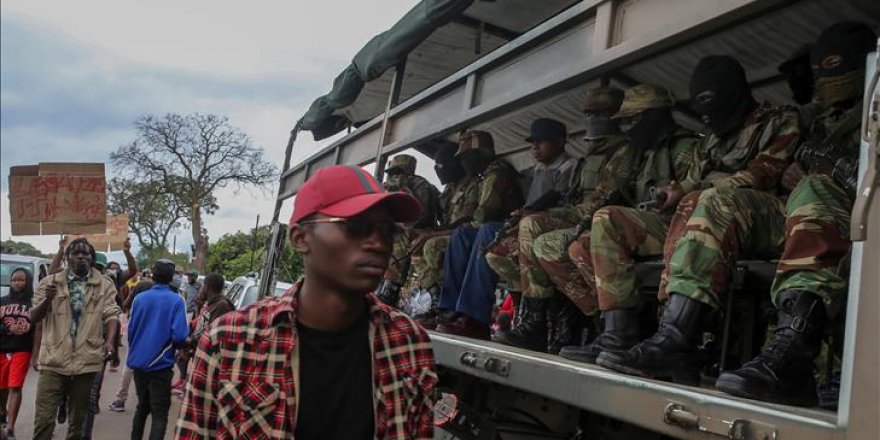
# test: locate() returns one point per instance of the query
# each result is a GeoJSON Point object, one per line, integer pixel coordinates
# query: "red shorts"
{"type": "Point", "coordinates": [13, 369]}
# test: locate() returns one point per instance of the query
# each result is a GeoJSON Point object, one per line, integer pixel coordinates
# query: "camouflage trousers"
{"type": "Point", "coordinates": [571, 273]}
{"type": "Point", "coordinates": [397, 268]}
{"type": "Point", "coordinates": [523, 254]}
{"type": "Point", "coordinates": [430, 266]}
{"type": "Point", "coordinates": [714, 228]}
{"type": "Point", "coordinates": [618, 236]}
{"type": "Point", "coordinates": [503, 259]}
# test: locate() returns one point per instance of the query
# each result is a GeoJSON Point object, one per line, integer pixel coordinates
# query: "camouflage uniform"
{"type": "Point", "coordinates": [459, 200]}
{"type": "Point", "coordinates": [736, 214]}
{"type": "Point", "coordinates": [619, 234]}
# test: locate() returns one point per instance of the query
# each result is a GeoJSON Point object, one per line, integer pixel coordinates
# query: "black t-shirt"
{"type": "Point", "coordinates": [16, 331]}
{"type": "Point", "coordinates": [336, 384]}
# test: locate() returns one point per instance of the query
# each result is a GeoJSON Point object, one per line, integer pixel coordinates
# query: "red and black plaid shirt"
{"type": "Point", "coordinates": [243, 381]}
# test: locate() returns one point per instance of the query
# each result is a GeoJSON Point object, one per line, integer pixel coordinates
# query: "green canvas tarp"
{"type": "Point", "coordinates": [380, 54]}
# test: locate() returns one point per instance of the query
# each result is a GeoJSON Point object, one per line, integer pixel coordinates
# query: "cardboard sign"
{"type": "Point", "coordinates": [58, 198]}
{"type": "Point", "coordinates": [112, 240]}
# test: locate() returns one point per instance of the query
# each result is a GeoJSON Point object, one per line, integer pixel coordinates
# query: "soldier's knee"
{"type": "Point", "coordinates": [528, 224]}
{"type": "Point", "coordinates": [602, 219]}
{"type": "Point", "coordinates": [718, 201]}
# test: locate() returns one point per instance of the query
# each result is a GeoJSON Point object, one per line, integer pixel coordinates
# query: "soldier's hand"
{"type": "Point", "coordinates": [792, 176]}
{"type": "Point", "coordinates": [670, 195]}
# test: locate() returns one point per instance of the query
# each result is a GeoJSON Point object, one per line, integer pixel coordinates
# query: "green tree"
{"type": "Point", "coordinates": [238, 254]}
{"type": "Point", "coordinates": [191, 157]}
{"type": "Point", "coordinates": [21, 248]}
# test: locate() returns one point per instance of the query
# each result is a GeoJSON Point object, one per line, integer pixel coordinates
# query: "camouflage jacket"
{"type": "Point", "coordinates": [426, 193]}
{"type": "Point", "coordinates": [672, 160]}
{"type": "Point", "coordinates": [832, 145]}
{"type": "Point", "coordinates": [499, 192]}
{"type": "Point", "coordinates": [754, 157]}
{"type": "Point", "coordinates": [616, 173]}
{"type": "Point", "coordinates": [459, 200]}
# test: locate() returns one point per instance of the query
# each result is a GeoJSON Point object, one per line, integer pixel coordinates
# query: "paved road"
{"type": "Point", "coordinates": [109, 425]}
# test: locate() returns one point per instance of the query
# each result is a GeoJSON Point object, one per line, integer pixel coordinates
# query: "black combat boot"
{"type": "Point", "coordinates": [565, 324]}
{"type": "Point", "coordinates": [530, 332]}
{"type": "Point", "coordinates": [783, 372]}
{"type": "Point", "coordinates": [672, 352]}
{"type": "Point", "coordinates": [620, 333]}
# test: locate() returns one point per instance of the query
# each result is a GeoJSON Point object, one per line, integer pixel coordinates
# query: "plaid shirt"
{"type": "Point", "coordinates": [243, 383]}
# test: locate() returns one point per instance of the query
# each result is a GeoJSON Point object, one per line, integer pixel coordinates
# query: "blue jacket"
{"type": "Point", "coordinates": [157, 325]}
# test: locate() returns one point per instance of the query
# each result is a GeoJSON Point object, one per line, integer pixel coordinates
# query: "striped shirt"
{"type": "Point", "coordinates": [243, 383]}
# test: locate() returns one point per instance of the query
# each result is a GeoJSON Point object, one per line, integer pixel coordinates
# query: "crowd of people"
{"type": "Point", "coordinates": [70, 329]}
{"type": "Point", "coordinates": [766, 180]}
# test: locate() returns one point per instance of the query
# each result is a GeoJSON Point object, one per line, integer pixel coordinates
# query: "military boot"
{"type": "Point", "coordinates": [783, 372]}
{"type": "Point", "coordinates": [620, 333]}
{"type": "Point", "coordinates": [530, 332]}
{"type": "Point", "coordinates": [565, 324]}
{"type": "Point", "coordinates": [671, 353]}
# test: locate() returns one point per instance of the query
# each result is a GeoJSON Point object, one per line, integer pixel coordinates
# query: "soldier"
{"type": "Point", "coordinates": [464, 267]}
{"type": "Point", "coordinates": [542, 307]}
{"type": "Point", "coordinates": [457, 204]}
{"type": "Point", "coordinates": [401, 177]}
{"type": "Point", "coordinates": [736, 213]}
{"type": "Point", "coordinates": [810, 284]}
{"type": "Point", "coordinates": [621, 233]}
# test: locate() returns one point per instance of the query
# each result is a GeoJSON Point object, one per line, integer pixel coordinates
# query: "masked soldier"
{"type": "Point", "coordinates": [457, 204]}
{"type": "Point", "coordinates": [545, 319]}
{"type": "Point", "coordinates": [401, 177]}
{"type": "Point", "coordinates": [735, 215]}
{"type": "Point", "coordinates": [810, 284]}
{"type": "Point", "coordinates": [621, 233]}
{"type": "Point", "coordinates": [464, 266]}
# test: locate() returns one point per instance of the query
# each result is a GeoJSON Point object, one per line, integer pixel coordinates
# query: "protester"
{"type": "Point", "coordinates": [69, 357]}
{"type": "Point", "coordinates": [193, 287]}
{"type": "Point", "coordinates": [157, 326]}
{"type": "Point", "coordinates": [212, 306]}
{"type": "Point", "coordinates": [308, 352]}
{"type": "Point", "coordinates": [118, 405]}
{"type": "Point", "coordinates": [15, 345]}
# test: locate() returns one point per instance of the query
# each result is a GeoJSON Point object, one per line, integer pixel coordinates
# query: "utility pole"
{"type": "Point", "coordinates": [254, 244]}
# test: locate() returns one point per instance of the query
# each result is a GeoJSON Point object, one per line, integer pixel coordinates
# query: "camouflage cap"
{"type": "Point", "coordinates": [403, 162]}
{"type": "Point", "coordinates": [642, 97]}
{"type": "Point", "coordinates": [603, 99]}
{"type": "Point", "coordinates": [476, 140]}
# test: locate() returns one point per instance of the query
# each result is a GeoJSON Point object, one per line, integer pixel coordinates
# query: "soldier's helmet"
{"type": "Point", "coordinates": [402, 164]}
{"type": "Point", "coordinates": [643, 97]}
{"type": "Point", "coordinates": [603, 100]}
{"type": "Point", "coordinates": [476, 140]}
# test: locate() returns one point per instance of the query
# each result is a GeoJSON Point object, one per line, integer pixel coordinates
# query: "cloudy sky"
{"type": "Point", "coordinates": [75, 75]}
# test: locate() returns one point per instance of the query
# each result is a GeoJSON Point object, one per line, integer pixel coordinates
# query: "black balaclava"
{"type": "Point", "coordinates": [838, 61]}
{"type": "Point", "coordinates": [599, 127]}
{"type": "Point", "coordinates": [799, 76]}
{"type": "Point", "coordinates": [732, 102]}
{"type": "Point", "coordinates": [474, 161]}
{"type": "Point", "coordinates": [654, 126]}
{"type": "Point", "coordinates": [446, 165]}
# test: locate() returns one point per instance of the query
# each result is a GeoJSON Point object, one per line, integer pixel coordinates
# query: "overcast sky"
{"type": "Point", "coordinates": [76, 74]}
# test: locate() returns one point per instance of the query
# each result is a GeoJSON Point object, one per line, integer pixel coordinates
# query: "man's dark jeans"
{"type": "Point", "coordinates": [154, 399]}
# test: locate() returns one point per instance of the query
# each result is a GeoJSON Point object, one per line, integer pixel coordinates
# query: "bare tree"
{"type": "Point", "coordinates": [191, 157]}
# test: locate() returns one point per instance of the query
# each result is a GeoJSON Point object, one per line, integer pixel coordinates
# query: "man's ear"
{"type": "Point", "coordinates": [299, 239]}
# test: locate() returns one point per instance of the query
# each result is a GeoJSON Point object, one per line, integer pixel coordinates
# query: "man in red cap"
{"type": "Point", "coordinates": [327, 360]}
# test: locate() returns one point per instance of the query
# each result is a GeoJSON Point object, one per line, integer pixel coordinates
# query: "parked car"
{"type": "Point", "coordinates": [245, 291]}
{"type": "Point", "coordinates": [39, 268]}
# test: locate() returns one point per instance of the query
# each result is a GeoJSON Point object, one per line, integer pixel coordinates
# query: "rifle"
{"type": "Point", "coordinates": [587, 222]}
{"type": "Point", "coordinates": [832, 159]}
{"type": "Point", "coordinates": [546, 201]}
{"type": "Point", "coordinates": [655, 200]}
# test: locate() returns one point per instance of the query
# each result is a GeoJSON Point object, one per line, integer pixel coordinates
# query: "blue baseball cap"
{"type": "Point", "coordinates": [547, 129]}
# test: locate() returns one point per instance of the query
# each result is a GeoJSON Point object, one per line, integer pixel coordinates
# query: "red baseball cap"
{"type": "Point", "coordinates": [346, 191]}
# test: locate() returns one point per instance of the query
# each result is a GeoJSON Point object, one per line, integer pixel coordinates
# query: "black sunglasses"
{"type": "Point", "coordinates": [360, 229]}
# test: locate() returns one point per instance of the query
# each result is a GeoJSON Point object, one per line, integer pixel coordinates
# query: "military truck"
{"type": "Point", "coordinates": [448, 65]}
